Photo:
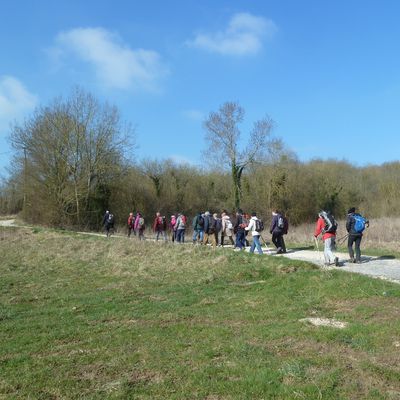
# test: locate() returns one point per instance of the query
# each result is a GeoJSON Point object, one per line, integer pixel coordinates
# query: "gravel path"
{"type": "Point", "coordinates": [386, 268]}
{"type": "Point", "coordinates": [378, 267]}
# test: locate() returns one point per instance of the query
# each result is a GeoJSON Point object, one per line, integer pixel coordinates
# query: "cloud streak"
{"type": "Point", "coordinates": [244, 35]}
{"type": "Point", "coordinates": [15, 100]}
{"type": "Point", "coordinates": [115, 64]}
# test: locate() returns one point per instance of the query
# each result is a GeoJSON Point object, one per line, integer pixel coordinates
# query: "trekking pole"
{"type": "Point", "coordinates": [266, 246]}
{"type": "Point", "coordinates": [317, 246]}
{"type": "Point", "coordinates": [342, 239]}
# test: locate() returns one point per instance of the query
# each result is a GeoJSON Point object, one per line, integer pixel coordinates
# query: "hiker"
{"type": "Point", "coordinates": [139, 226]}
{"type": "Point", "coordinates": [218, 230]}
{"type": "Point", "coordinates": [198, 228]}
{"type": "Point", "coordinates": [246, 221]}
{"type": "Point", "coordinates": [255, 228]}
{"type": "Point", "coordinates": [277, 230]}
{"type": "Point", "coordinates": [355, 226]}
{"type": "Point", "coordinates": [327, 226]}
{"type": "Point", "coordinates": [226, 228]}
{"type": "Point", "coordinates": [213, 229]}
{"type": "Point", "coordinates": [159, 226]}
{"type": "Point", "coordinates": [108, 222]}
{"type": "Point", "coordinates": [180, 228]}
{"type": "Point", "coordinates": [209, 227]}
{"type": "Point", "coordinates": [131, 224]}
{"type": "Point", "coordinates": [172, 227]}
{"type": "Point", "coordinates": [239, 230]}
{"type": "Point", "coordinates": [136, 223]}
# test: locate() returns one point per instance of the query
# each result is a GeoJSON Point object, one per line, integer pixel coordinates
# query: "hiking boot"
{"type": "Point", "coordinates": [352, 260]}
{"type": "Point", "coordinates": [336, 261]}
{"type": "Point", "coordinates": [358, 261]}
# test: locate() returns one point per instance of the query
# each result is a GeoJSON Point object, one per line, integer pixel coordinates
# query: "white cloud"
{"type": "Point", "coordinates": [15, 100]}
{"type": "Point", "coordinates": [243, 36]}
{"type": "Point", "coordinates": [195, 115]}
{"type": "Point", "coordinates": [116, 65]}
{"type": "Point", "coordinates": [180, 160]}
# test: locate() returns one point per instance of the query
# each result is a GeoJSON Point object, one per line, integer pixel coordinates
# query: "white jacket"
{"type": "Point", "coordinates": [252, 227]}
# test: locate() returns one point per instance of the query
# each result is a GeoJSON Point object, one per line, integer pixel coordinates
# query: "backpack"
{"type": "Point", "coordinates": [183, 218]}
{"type": "Point", "coordinates": [229, 224]}
{"type": "Point", "coordinates": [164, 223]}
{"type": "Point", "coordinates": [281, 222]}
{"type": "Point", "coordinates": [359, 224]}
{"type": "Point", "coordinates": [110, 218]}
{"type": "Point", "coordinates": [212, 225]}
{"type": "Point", "coordinates": [200, 221]}
{"type": "Point", "coordinates": [141, 224]}
{"type": "Point", "coordinates": [259, 225]}
{"type": "Point", "coordinates": [286, 226]}
{"type": "Point", "coordinates": [330, 223]}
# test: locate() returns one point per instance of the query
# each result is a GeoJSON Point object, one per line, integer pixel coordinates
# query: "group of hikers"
{"type": "Point", "coordinates": [212, 229]}
{"type": "Point", "coordinates": [207, 228]}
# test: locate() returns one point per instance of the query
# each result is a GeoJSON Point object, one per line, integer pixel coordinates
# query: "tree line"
{"type": "Point", "coordinates": [73, 161]}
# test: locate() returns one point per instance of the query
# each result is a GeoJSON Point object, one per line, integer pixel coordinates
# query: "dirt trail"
{"type": "Point", "coordinates": [387, 268]}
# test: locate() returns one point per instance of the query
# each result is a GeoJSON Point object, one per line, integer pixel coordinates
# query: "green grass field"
{"type": "Point", "coordinates": [89, 318]}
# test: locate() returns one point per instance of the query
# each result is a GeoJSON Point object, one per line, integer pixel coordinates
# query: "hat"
{"type": "Point", "coordinates": [351, 210]}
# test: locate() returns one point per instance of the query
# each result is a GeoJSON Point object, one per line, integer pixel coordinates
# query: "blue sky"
{"type": "Point", "coordinates": [327, 73]}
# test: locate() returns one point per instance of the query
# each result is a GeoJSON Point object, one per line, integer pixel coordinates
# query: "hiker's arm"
{"type": "Point", "coordinates": [319, 227]}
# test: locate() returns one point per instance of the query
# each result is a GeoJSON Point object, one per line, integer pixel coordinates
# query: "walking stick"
{"type": "Point", "coordinates": [317, 246]}
{"type": "Point", "coordinates": [342, 239]}
{"type": "Point", "coordinates": [266, 246]}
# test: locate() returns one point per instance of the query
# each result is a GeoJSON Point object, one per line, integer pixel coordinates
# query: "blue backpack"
{"type": "Point", "coordinates": [360, 223]}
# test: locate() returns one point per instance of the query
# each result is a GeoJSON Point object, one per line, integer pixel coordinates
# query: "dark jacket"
{"type": "Point", "coordinates": [236, 227]}
{"type": "Point", "coordinates": [195, 223]}
{"type": "Point", "coordinates": [274, 228]}
{"type": "Point", "coordinates": [350, 222]}
{"type": "Point", "coordinates": [208, 223]}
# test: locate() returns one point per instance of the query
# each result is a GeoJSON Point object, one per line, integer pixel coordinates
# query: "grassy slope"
{"type": "Point", "coordinates": [85, 317]}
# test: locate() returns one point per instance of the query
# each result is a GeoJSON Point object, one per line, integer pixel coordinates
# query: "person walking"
{"type": "Point", "coordinates": [108, 222]}
{"type": "Point", "coordinates": [198, 228]}
{"type": "Point", "coordinates": [139, 226]}
{"type": "Point", "coordinates": [180, 228]}
{"type": "Point", "coordinates": [209, 228]}
{"type": "Point", "coordinates": [172, 227]}
{"type": "Point", "coordinates": [255, 228]}
{"type": "Point", "coordinates": [277, 230]}
{"type": "Point", "coordinates": [138, 218]}
{"type": "Point", "coordinates": [239, 230]}
{"type": "Point", "coordinates": [226, 228]}
{"type": "Point", "coordinates": [327, 226]}
{"type": "Point", "coordinates": [355, 226]}
{"type": "Point", "coordinates": [159, 227]}
{"type": "Point", "coordinates": [131, 224]}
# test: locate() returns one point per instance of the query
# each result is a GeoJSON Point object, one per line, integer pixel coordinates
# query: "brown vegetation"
{"type": "Point", "coordinates": [71, 165]}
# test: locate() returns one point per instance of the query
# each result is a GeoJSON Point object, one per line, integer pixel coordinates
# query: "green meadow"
{"type": "Point", "coordinates": [85, 317]}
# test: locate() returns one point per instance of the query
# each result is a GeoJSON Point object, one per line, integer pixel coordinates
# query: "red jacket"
{"type": "Point", "coordinates": [320, 226]}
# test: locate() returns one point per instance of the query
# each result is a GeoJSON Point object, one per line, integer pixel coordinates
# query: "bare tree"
{"type": "Point", "coordinates": [71, 149]}
{"type": "Point", "coordinates": [223, 136]}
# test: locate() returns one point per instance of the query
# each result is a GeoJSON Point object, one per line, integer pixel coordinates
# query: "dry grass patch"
{"type": "Point", "coordinates": [373, 310]}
